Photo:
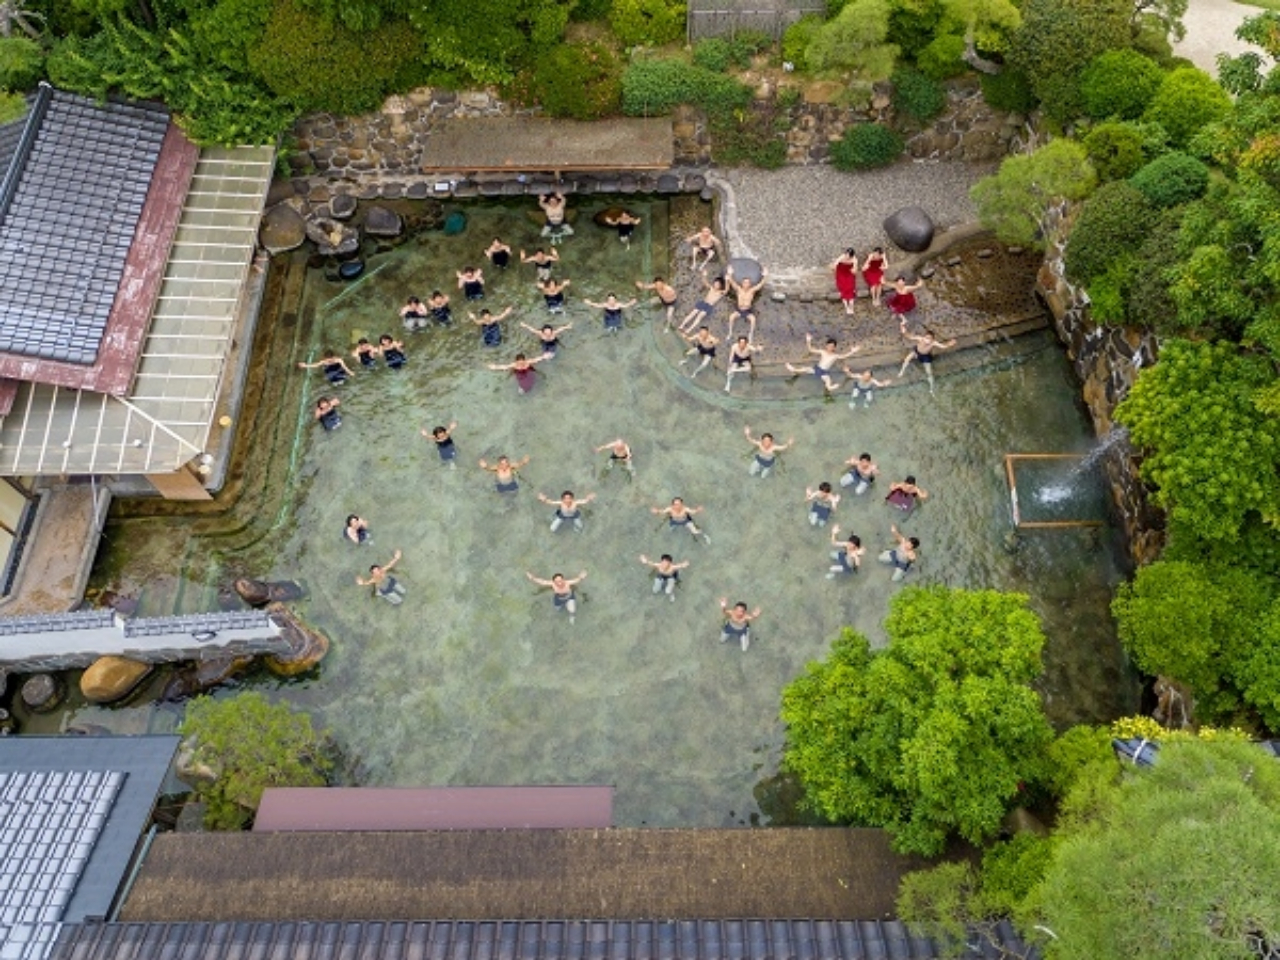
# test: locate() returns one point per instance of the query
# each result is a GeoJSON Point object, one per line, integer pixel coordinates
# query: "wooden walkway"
{"type": "Point", "coordinates": [830, 873]}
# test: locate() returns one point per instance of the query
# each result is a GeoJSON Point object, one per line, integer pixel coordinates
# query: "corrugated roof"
{"type": "Point", "coordinates": [70, 200]}
{"type": "Point", "coordinates": [512, 940]}
{"type": "Point", "coordinates": [165, 419]}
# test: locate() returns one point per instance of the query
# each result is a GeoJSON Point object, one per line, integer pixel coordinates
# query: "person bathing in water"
{"type": "Point", "coordinates": [828, 357]}
{"type": "Point", "coordinates": [384, 585]}
{"type": "Point", "coordinates": [549, 337]}
{"type": "Point", "coordinates": [553, 294]}
{"type": "Point", "coordinates": [704, 345]}
{"type": "Point", "coordinates": [925, 345]}
{"type": "Point", "coordinates": [905, 495]}
{"type": "Point", "coordinates": [666, 573]}
{"type": "Point", "coordinates": [745, 297]}
{"type": "Point", "coordinates": [860, 475]}
{"type": "Point", "coordinates": [901, 557]}
{"type": "Point", "coordinates": [822, 503]}
{"type": "Point", "coordinates": [666, 295]}
{"type": "Point", "coordinates": [413, 315]}
{"type": "Point", "coordinates": [847, 555]}
{"type": "Point", "coordinates": [705, 244]}
{"type": "Point", "coordinates": [737, 622]}
{"type": "Point", "coordinates": [441, 312]}
{"type": "Point", "coordinates": [443, 437]}
{"type": "Point", "coordinates": [619, 455]}
{"type": "Point", "coordinates": [740, 360]}
{"type": "Point", "coordinates": [705, 306]}
{"type": "Point", "coordinates": [471, 283]}
{"type": "Point", "coordinates": [568, 509]}
{"type": "Point", "coordinates": [392, 351]}
{"type": "Point", "coordinates": [326, 413]}
{"type": "Point", "coordinates": [505, 473]}
{"type": "Point", "coordinates": [542, 262]}
{"type": "Point", "coordinates": [553, 206]}
{"type": "Point", "coordinates": [490, 326]}
{"type": "Point", "coordinates": [335, 368]}
{"type": "Point", "coordinates": [499, 253]}
{"type": "Point", "coordinates": [522, 369]}
{"type": "Point", "coordinates": [562, 593]}
{"type": "Point", "coordinates": [862, 385]}
{"type": "Point", "coordinates": [357, 531]}
{"type": "Point", "coordinates": [679, 516]}
{"type": "Point", "coordinates": [766, 455]}
{"type": "Point", "coordinates": [612, 308]}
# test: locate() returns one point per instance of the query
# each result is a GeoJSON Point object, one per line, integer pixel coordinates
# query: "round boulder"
{"type": "Point", "coordinates": [112, 678]}
{"type": "Point", "coordinates": [41, 693]}
{"type": "Point", "coordinates": [746, 269]}
{"type": "Point", "coordinates": [307, 646]}
{"type": "Point", "coordinates": [910, 229]}
{"type": "Point", "coordinates": [282, 229]}
{"type": "Point", "coordinates": [333, 239]}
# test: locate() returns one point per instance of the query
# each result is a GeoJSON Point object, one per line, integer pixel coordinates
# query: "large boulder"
{"type": "Point", "coordinates": [746, 269]}
{"type": "Point", "coordinates": [332, 239]}
{"type": "Point", "coordinates": [112, 678]}
{"type": "Point", "coordinates": [911, 229]}
{"type": "Point", "coordinates": [381, 222]}
{"type": "Point", "coordinates": [258, 593]}
{"type": "Point", "coordinates": [282, 229]}
{"type": "Point", "coordinates": [342, 206]}
{"type": "Point", "coordinates": [41, 693]}
{"type": "Point", "coordinates": [307, 647]}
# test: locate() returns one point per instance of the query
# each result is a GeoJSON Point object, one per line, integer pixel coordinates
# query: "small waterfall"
{"type": "Point", "coordinates": [1113, 438]}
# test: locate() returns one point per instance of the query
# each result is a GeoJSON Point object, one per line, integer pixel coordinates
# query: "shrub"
{"type": "Point", "coordinates": [1016, 199]}
{"type": "Point", "coordinates": [21, 63]}
{"type": "Point", "coordinates": [1187, 100]}
{"type": "Point", "coordinates": [1147, 299]}
{"type": "Point", "coordinates": [854, 40]}
{"type": "Point", "coordinates": [12, 106]}
{"type": "Point", "coordinates": [308, 61]}
{"type": "Point", "coordinates": [1008, 90]}
{"type": "Point", "coordinates": [1119, 83]}
{"type": "Point", "coordinates": [1173, 179]}
{"type": "Point", "coordinates": [713, 53]}
{"type": "Point", "coordinates": [1058, 38]}
{"type": "Point", "coordinates": [1107, 291]}
{"type": "Point", "coordinates": [1114, 149]}
{"type": "Point", "coordinates": [1113, 223]}
{"type": "Point", "coordinates": [583, 82]}
{"type": "Point", "coordinates": [942, 58]}
{"type": "Point", "coordinates": [917, 96]}
{"type": "Point", "coordinates": [866, 145]}
{"type": "Point", "coordinates": [797, 37]}
{"type": "Point", "coordinates": [747, 137]}
{"type": "Point", "coordinates": [654, 86]}
{"type": "Point", "coordinates": [647, 22]}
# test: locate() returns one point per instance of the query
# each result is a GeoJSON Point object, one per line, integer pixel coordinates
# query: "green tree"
{"type": "Point", "coordinates": [1180, 860]}
{"type": "Point", "coordinates": [1114, 149]}
{"type": "Point", "coordinates": [1058, 38]}
{"type": "Point", "coordinates": [933, 736]}
{"type": "Point", "coordinates": [248, 744]}
{"type": "Point", "coordinates": [1194, 624]}
{"type": "Point", "coordinates": [1187, 100]}
{"type": "Point", "coordinates": [1119, 83]}
{"type": "Point", "coordinates": [855, 40]}
{"type": "Point", "coordinates": [1209, 454]}
{"type": "Point", "coordinates": [1015, 201]}
{"type": "Point", "coordinates": [1112, 225]}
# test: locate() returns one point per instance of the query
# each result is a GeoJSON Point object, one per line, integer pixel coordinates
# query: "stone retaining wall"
{"type": "Point", "coordinates": [387, 146]}
{"type": "Point", "coordinates": [1107, 360]}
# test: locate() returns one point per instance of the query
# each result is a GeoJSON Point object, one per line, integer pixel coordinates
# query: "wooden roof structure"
{"type": "Point", "coordinates": [533, 145]}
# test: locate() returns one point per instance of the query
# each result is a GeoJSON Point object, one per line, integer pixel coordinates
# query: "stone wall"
{"type": "Point", "coordinates": [387, 146]}
{"type": "Point", "coordinates": [1107, 360]}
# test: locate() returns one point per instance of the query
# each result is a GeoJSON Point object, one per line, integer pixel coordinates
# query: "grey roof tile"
{"type": "Point", "coordinates": [747, 939]}
{"type": "Point", "coordinates": [74, 176]}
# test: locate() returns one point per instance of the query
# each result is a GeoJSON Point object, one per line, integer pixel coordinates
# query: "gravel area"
{"type": "Point", "coordinates": [799, 218]}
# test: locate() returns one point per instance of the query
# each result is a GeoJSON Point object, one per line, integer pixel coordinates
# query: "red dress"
{"type": "Point", "coordinates": [873, 274]}
{"type": "Point", "coordinates": [846, 280]}
{"type": "Point", "coordinates": [901, 303]}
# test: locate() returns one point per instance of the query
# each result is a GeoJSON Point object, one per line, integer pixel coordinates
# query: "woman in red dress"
{"type": "Point", "coordinates": [903, 300]}
{"type": "Point", "coordinates": [873, 273]}
{"type": "Point", "coordinates": [847, 278]}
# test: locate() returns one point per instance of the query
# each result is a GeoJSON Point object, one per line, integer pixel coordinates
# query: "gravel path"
{"type": "Point", "coordinates": [799, 218]}
{"type": "Point", "coordinates": [1211, 29]}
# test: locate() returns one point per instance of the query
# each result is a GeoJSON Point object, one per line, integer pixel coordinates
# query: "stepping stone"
{"type": "Point", "coordinates": [512, 188]}
{"type": "Point", "coordinates": [491, 188]}
{"type": "Point", "coordinates": [954, 261]}
{"type": "Point", "coordinates": [381, 222]}
{"type": "Point", "coordinates": [392, 191]}
{"type": "Point", "coordinates": [986, 253]}
{"type": "Point", "coordinates": [586, 185]}
{"type": "Point", "coordinates": [628, 184]}
{"type": "Point", "coordinates": [465, 189]}
{"type": "Point", "coordinates": [1014, 251]}
{"type": "Point", "coordinates": [707, 194]}
{"type": "Point", "coordinates": [695, 183]}
{"type": "Point", "coordinates": [746, 269]}
{"type": "Point", "coordinates": [342, 206]}
{"type": "Point", "coordinates": [608, 186]}
{"type": "Point", "coordinates": [778, 296]}
{"type": "Point", "coordinates": [668, 183]}
{"type": "Point", "coordinates": [927, 272]}
{"type": "Point", "coordinates": [417, 191]}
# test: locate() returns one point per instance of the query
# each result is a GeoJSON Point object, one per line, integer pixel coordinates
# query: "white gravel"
{"type": "Point", "coordinates": [799, 218]}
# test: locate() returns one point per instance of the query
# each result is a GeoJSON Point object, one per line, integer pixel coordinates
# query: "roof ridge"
{"type": "Point", "coordinates": [27, 140]}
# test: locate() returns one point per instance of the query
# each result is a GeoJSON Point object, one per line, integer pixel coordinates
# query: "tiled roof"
{"type": "Point", "coordinates": [72, 811]}
{"type": "Point", "coordinates": [49, 823]}
{"type": "Point", "coordinates": [70, 199]}
{"type": "Point", "coordinates": [509, 940]}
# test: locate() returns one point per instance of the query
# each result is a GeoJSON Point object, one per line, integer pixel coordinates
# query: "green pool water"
{"type": "Point", "coordinates": [475, 678]}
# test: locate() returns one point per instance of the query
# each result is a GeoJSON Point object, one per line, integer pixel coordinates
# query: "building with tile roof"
{"type": "Point", "coordinates": [127, 255]}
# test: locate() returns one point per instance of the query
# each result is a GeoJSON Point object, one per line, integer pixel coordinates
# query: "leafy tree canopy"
{"type": "Point", "coordinates": [249, 744]}
{"type": "Point", "coordinates": [934, 735]}
{"type": "Point", "coordinates": [1178, 860]}
{"type": "Point", "coordinates": [1015, 200]}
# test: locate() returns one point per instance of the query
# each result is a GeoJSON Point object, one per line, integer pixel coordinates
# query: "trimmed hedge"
{"type": "Point", "coordinates": [1111, 227]}
{"type": "Point", "coordinates": [1171, 180]}
{"type": "Point", "coordinates": [655, 86]}
{"type": "Point", "coordinates": [866, 145]}
{"type": "Point", "coordinates": [1115, 150]}
{"type": "Point", "coordinates": [917, 96]}
{"type": "Point", "coordinates": [1119, 83]}
{"type": "Point", "coordinates": [581, 82]}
